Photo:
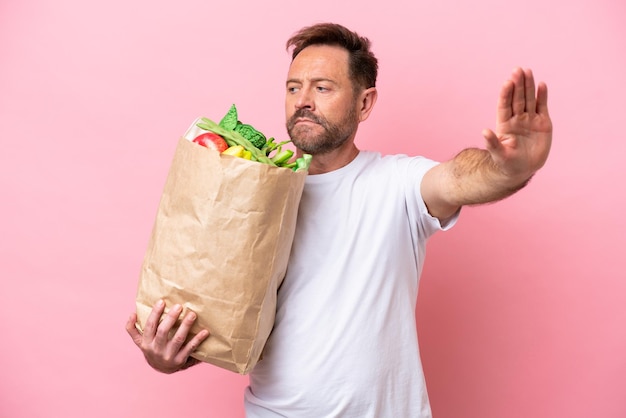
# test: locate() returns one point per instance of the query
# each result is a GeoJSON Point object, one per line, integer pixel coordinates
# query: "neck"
{"type": "Point", "coordinates": [333, 160]}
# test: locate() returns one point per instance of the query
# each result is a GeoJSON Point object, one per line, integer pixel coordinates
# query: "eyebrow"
{"type": "Point", "coordinates": [313, 80]}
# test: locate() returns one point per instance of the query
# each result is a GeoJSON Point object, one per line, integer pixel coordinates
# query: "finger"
{"type": "Point", "coordinates": [166, 325]}
{"type": "Point", "coordinates": [131, 328]}
{"type": "Point", "coordinates": [180, 336]}
{"type": "Point", "coordinates": [542, 99]}
{"type": "Point", "coordinates": [519, 93]}
{"type": "Point", "coordinates": [194, 343]}
{"type": "Point", "coordinates": [529, 86]}
{"type": "Point", "coordinates": [504, 107]}
{"type": "Point", "coordinates": [149, 330]}
{"type": "Point", "coordinates": [493, 142]}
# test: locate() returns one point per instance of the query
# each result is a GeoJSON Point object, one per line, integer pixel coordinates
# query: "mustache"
{"type": "Point", "coordinates": [306, 114]}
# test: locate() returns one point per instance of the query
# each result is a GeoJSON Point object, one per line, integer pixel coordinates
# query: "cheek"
{"type": "Point", "coordinates": [338, 107]}
{"type": "Point", "coordinates": [288, 110]}
{"type": "Point", "coordinates": [334, 111]}
{"type": "Point", "coordinates": [290, 107]}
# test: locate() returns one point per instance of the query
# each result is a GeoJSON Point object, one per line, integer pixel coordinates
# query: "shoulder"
{"type": "Point", "coordinates": [401, 164]}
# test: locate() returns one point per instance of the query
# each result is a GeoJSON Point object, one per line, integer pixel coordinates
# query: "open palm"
{"type": "Point", "coordinates": [523, 136]}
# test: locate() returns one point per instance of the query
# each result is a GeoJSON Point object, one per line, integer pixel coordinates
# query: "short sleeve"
{"type": "Point", "coordinates": [413, 170]}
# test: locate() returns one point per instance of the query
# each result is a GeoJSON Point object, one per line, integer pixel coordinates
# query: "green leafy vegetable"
{"type": "Point", "coordinates": [255, 137]}
{"type": "Point", "coordinates": [229, 121]}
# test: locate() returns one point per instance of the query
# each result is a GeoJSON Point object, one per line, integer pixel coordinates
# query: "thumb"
{"type": "Point", "coordinates": [132, 330]}
{"type": "Point", "coordinates": [492, 141]}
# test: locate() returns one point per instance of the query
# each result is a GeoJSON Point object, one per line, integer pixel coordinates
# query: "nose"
{"type": "Point", "coordinates": [304, 99]}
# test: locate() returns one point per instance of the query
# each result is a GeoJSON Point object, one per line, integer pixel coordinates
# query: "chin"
{"type": "Point", "coordinates": [303, 137]}
{"type": "Point", "coordinates": [305, 146]}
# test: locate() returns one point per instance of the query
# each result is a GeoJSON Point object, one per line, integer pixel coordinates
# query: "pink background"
{"type": "Point", "coordinates": [522, 307]}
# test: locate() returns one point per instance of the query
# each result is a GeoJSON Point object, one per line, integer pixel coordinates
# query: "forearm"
{"type": "Point", "coordinates": [470, 178]}
{"type": "Point", "coordinates": [474, 178]}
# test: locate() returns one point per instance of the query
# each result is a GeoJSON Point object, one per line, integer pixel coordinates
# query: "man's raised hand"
{"type": "Point", "coordinates": [523, 136]}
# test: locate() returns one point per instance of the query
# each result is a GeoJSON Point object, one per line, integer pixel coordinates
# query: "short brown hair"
{"type": "Point", "coordinates": [363, 64]}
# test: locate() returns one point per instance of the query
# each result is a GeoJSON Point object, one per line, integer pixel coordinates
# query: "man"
{"type": "Point", "coordinates": [344, 342]}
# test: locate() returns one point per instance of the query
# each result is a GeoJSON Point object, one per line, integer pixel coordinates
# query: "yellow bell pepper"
{"type": "Point", "coordinates": [235, 151]}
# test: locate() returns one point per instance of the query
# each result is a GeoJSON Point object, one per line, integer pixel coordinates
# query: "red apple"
{"type": "Point", "coordinates": [211, 140]}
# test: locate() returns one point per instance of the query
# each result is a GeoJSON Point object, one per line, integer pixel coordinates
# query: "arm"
{"type": "Point", "coordinates": [518, 148]}
{"type": "Point", "coordinates": [164, 353]}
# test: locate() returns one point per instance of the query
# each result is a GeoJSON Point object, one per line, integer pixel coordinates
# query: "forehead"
{"type": "Point", "coordinates": [320, 61]}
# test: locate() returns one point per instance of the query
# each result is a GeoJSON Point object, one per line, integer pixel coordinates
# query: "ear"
{"type": "Point", "coordinates": [367, 99]}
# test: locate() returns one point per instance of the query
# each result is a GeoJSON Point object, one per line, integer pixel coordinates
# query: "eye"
{"type": "Point", "coordinates": [322, 89]}
{"type": "Point", "coordinates": [293, 86]}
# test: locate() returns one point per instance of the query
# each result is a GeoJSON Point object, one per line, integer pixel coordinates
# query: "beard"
{"type": "Point", "coordinates": [333, 135]}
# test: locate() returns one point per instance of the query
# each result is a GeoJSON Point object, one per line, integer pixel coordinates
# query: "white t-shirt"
{"type": "Point", "coordinates": [345, 343]}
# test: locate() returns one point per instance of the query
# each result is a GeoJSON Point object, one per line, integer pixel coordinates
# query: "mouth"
{"type": "Point", "coordinates": [304, 120]}
{"type": "Point", "coordinates": [305, 116]}
{"type": "Point", "coordinates": [303, 123]}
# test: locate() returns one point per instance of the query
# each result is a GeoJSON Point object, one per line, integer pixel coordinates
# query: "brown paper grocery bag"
{"type": "Point", "coordinates": [219, 247]}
